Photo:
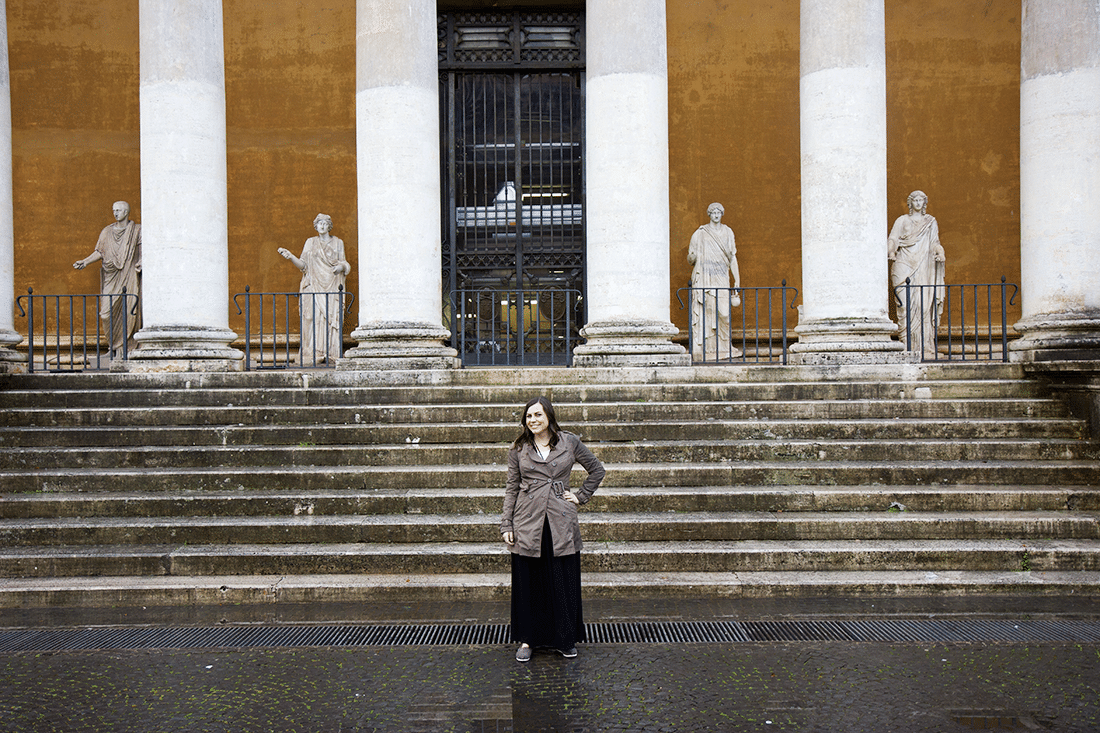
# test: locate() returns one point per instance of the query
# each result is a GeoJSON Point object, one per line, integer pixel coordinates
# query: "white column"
{"type": "Point", "coordinates": [1060, 181]}
{"type": "Point", "coordinates": [397, 156]}
{"type": "Point", "coordinates": [842, 99]}
{"type": "Point", "coordinates": [185, 257]}
{"type": "Point", "coordinates": [626, 181]}
{"type": "Point", "coordinates": [10, 359]}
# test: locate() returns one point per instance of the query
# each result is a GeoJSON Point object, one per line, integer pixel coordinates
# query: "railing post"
{"type": "Point", "coordinates": [248, 329]}
{"type": "Point", "coordinates": [783, 307]}
{"type": "Point", "coordinates": [30, 330]}
{"type": "Point", "coordinates": [962, 321]}
{"type": "Point", "coordinates": [1004, 322]}
{"type": "Point", "coordinates": [691, 319]}
{"type": "Point", "coordinates": [125, 324]}
{"type": "Point", "coordinates": [568, 327]}
{"type": "Point", "coordinates": [908, 319]}
{"type": "Point", "coordinates": [340, 342]}
{"type": "Point", "coordinates": [98, 328]}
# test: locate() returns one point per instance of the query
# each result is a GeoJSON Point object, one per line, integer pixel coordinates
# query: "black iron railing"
{"type": "Point", "coordinates": [515, 327]}
{"type": "Point", "coordinates": [66, 334]}
{"type": "Point", "coordinates": [275, 321]}
{"type": "Point", "coordinates": [757, 318]}
{"type": "Point", "coordinates": [969, 323]}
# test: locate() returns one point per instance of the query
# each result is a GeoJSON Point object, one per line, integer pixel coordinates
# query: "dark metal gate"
{"type": "Point", "coordinates": [513, 185]}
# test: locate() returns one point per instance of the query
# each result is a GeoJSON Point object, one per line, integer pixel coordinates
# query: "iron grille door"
{"type": "Point", "coordinates": [513, 181]}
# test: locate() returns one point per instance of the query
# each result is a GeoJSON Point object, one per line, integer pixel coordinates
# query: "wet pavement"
{"type": "Point", "coordinates": [739, 686]}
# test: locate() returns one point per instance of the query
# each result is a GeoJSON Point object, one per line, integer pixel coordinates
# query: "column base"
{"type": "Point", "coordinates": [1057, 338]}
{"type": "Point", "coordinates": [849, 341]}
{"type": "Point", "coordinates": [182, 349]}
{"type": "Point", "coordinates": [11, 361]}
{"type": "Point", "coordinates": [399, 346]}
{"type": "Point", "coordinates": [630, 344]}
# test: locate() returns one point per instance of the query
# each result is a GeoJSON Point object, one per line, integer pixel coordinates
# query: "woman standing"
{"type": "Point", "coordinates": [540, 527]}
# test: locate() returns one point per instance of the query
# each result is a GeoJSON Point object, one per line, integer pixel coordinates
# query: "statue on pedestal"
{"type": "Point", "coordinates": [119, 247]}
{"type": "Point", "coordinates": [713, 252]}
{"type": "Point", "coordinates": [324, 269]}
{"type": "Point", "coordinates": [915, 254]}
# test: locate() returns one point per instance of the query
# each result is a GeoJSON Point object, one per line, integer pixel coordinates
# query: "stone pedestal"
{"type": "Point", "coordinates": [1059, 181]}
{"type": "Point", "coordinates": [845, 284]}
{"type": "Point", "coordinates": [627, 188]}
{"type": "Point", "coordinates": [10, 359]}
{"type": "Point", "coordinates": [185, 258]}
{"type": "Point", "coordinates": [397, 151]}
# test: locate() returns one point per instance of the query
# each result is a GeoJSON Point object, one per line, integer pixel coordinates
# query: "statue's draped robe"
{"type": "Point", "coordinates": [712, 251]}
{"type": "Point", "coordinates": [321, 336]}
{"type": "Point", "coordinates": [913, 246]}
{"type": "Point", "coordinates": [120, 248]}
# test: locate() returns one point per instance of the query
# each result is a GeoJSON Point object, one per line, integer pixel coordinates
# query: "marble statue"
{"type": "Point", "coordinates": [119, 248]}
{"type": "Point", "coordinates": [915, 254]}
{"type": "Point", "coordinates": [324, 269]}
{"type": "Point", "coordinates": [713, 253]}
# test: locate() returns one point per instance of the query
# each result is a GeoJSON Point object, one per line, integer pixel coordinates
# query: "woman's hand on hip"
{"type": "Point", "coordinates": [570, 497]}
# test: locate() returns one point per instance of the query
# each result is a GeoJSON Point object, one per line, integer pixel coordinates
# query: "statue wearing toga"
{"type": "Point", "coordinates": [916, 255]}
{"type": "Point", "coordinates": [324, 269]}
{"type": "Point", "coordinates": [713, 253]}
{"type": "Point", "coordinates": [119, 248]}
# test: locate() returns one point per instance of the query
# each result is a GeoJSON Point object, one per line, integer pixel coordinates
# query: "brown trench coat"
{"type": "Point", "coordinates": [529, 495]}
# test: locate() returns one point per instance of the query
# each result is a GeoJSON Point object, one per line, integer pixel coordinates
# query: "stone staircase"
{"type": "Point", "coordinates": [293, 487]}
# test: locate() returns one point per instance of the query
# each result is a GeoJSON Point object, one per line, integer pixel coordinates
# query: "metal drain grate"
{"type": "Point", "coordinates": [671, 632]}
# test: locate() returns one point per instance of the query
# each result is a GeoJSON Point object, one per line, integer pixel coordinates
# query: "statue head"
{"type": "Point", "coordinates": [918, 201]}
{"type": "Point", "coordinates": [716, 207]}
{"type": "Point", "coordinates": [121, 210]}
{"type": "Point", "coordinates": [322, 217]}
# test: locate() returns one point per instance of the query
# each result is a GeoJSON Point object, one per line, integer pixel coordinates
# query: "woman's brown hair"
{"type": "Point", "coordinates": [527, 436]}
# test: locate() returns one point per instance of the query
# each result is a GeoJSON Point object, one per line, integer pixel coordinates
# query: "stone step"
{"type": "Point", "coordinates": [460, 477]}
{"type": "Point", "coordinates": [262, 591]}
{"type": "Point", "coordinates": [934, 555]}
{"type": "Point", "coordinates": [527, 376]}
{"type": "Point", "coordinates": [596, 526]}
{"type": "Point", "coordinates": [508, 414]}
{"type": "Point", "coordinates": [436, 433]}
{"type": "Point", "coordinates": [488, 501]}
{"type": "Point", "coordinates": [517, 395]}
{"type": "Point", "coordinates": [638, 453]}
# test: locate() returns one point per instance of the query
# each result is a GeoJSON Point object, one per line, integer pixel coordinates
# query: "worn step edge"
{"type": "Point", "coordinates": [743, 473]}
{"type": "Point", "coordinates": [490, 500]}
{"type": "Point", "coordinates": [598, 527]}
{"type": "Point", "coordinates": [457, 557]}
{"type": "Point", "coordinates": [275, 589]}
{"type": "Point", "coordinates": [376, 434]}
{"type": "Point", "coordinates": [886, 388]}
{"type": "Point", "coordinates": [567, 415]}
{"type": "Point", "coordinates": [639, 453]}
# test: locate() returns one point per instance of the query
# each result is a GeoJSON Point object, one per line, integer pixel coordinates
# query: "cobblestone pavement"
{"type": "Point", "coordinates": [744, 686]}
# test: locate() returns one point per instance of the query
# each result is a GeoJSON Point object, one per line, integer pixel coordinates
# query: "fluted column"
{"type": "Point", "coordinates": [397, 153]}
{"type": "Point", "coordinates": [185, 258]}
{"type": "Point", "coordinates": [10, 359]}
{"type": "Point", "coordinates": [842, 100]}
{"type": "Point", "coordinates": [626, 179]}
{"type": "Point", "coordinates": [1060, 181]}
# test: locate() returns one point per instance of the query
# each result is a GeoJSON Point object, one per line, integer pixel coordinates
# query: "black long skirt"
{"type": "Point", "coordinates": [546, 598]}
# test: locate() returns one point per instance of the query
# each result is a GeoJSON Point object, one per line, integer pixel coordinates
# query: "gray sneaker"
{"type": "Point", "coordinates": [523, 654]}
{"type": "Point", "coordinates": [568, 653]}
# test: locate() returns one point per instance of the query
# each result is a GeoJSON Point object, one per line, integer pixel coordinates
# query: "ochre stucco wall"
{"type": "Point", "coordinates": [953, 131]}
